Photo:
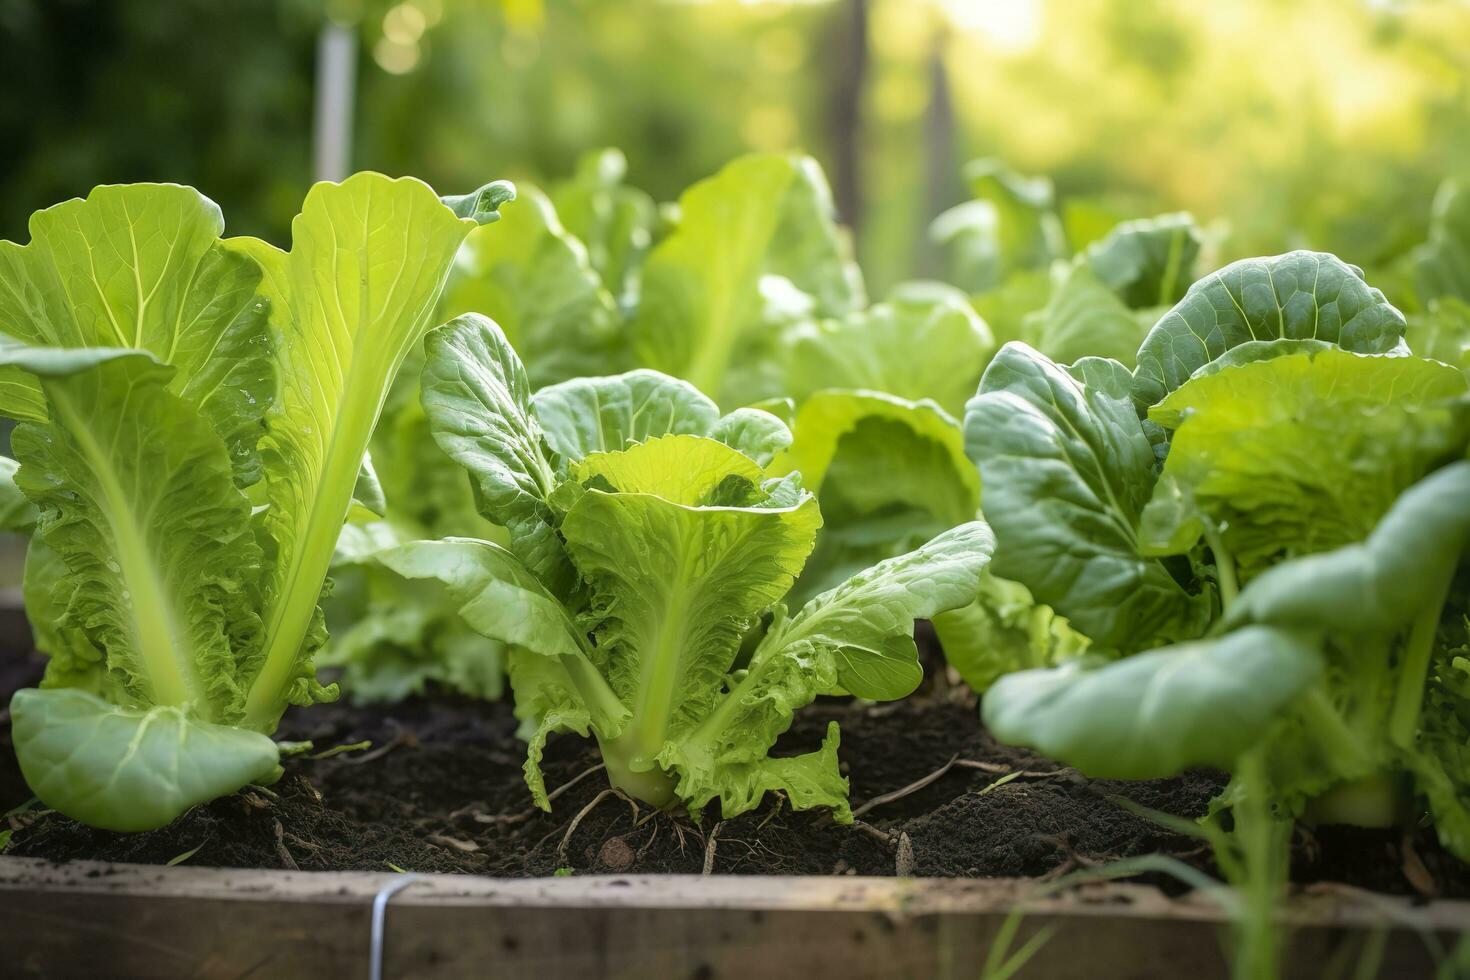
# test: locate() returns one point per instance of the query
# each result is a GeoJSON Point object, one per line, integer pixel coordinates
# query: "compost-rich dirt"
{"type": "Point", "coordinates": [441, 789]}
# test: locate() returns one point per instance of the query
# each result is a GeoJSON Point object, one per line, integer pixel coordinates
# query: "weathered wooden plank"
{"type": "Point", "coordinates": [85, 919]}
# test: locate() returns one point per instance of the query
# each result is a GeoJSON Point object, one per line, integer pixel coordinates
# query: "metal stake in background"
{"type": "Point", "coordinates": [336, 80]}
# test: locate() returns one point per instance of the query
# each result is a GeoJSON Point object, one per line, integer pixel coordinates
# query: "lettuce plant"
{"type": "Point", "coordinates": [1259, 531]}
{"type": "Point", "coordinates": [716, 295]}
{"type": "Point", "coordinates": [391, 637]}
{"type": "Point", "coordinates": [646, 543]}
{"type": "Point", "coordinates": [194, 413]}
{"type": "Point", "coordinates": [889, 474]}
{"type": "Point", "coordinates": [750, 280]}
{"type": "Point", "coordinates": [1075, 281]}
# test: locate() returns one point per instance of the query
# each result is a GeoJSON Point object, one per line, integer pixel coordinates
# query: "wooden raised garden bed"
{"type": "Point", "coordinates": [439, 795]}
{"type": "Point", "coordinates": [63, 920]}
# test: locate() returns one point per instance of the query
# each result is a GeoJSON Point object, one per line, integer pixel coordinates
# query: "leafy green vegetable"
{"type": "Point", "coordinates": [600, 415]}
{"type": "Point", "coordinates": [1067, 470]}
{"type": "Point", "coordinates": [17, 513]}
{"type": "Point", "coordinates": [478, 402]}
{"type": "Point", "coordinates": [142, 266]}
{"type": "Point", "coordinates": [1148, 262]}
{"type": "Point", "coordinates": [1011, 309]}
{"type": "Point", "coordinates": [1002, 631]}
{"type": "Point", "coordinates": [616, 222]}
{"type": "Point", "coordinates": [1201, 703]}
{"type": "Point", "coordinates": [393, 637]}
{"type": "Point", "coordinates": [1376, 585]}
{"type": "Point", "coordinates": [889, 474]}
{"type": "Point", "coordinates": [194, 433]}
{"type": "Point", "coordinates": [1443, 333]}
{"type": "Point", "coordinates": [1301, 665]}
{"type": "Point", "coordinates": [1085, 318]}
{"type": "Point", "coordinates": [1305, 455]}
{"type": "Point", "coordinates": [537, 281]}
{"type": "Point", "coordinates": [924, 341]}
{"type": "Point", "coordinates": [655, 548]}
{"type": "Point", "coordinates": [701, 309]}
{"type": "Point", "coordinates": [1009, 226]}
{"type": "Point", "coordinates": [1299, 295]}
{"type": "Point", "coordinates": [1302, 452]}
{"type": "Point", "coordinates": [158, 762]}
{"type": "Point", "coordinates": [1442, 264]}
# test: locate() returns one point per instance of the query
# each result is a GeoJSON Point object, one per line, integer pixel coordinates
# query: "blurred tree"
{"type": "Point", "coordinates": [193, 91]}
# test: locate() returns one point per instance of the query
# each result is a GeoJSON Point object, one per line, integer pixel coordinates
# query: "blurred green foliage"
{"type": "Point", "coordinates": [1326, 123]}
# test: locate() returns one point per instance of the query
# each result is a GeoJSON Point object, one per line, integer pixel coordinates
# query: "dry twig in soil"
{"type": "Point", "coordinates": [316, 794]}
{"type": "Point", "coordinates": [281, 850]}
{"type": "Point", "coordinates": [903, 858]}
{"type": "Point", "coordinates": [529, 812]}
{"type": "Point", "coordinates": [996, 769]}
{"type": "Point", "coordinates": [1415, 870]}
{"type": "Point", "coordinates": [872, 831]}
{"type": "Point", "coordinates": [709, 848]}
{"type": "Point", "coordinates": [908, 790]}
{"type": "Point", "coordinates": [561, 849]}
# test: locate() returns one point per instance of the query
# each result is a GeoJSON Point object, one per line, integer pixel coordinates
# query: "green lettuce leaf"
{"type": "Point", "coordinates": [352, 298]}
{"type": "Point", "coordinates": [1010, 226]}
{"type": "Point", "coordinates": [1067, 469]}
{"type": "Point", "coordinates": [754, 432]}
{"type": "Point", "coordinates": [1299, 295]}
{"type": "Point", "coordinates": [556, 687]}
{"type": "Point", "coordinates": [17, 512]}
{"type": "Point", "coordinates": [615, 221]}
{"type": "Point", "coordinates": [1303, 452]}
{"type": "Point", "coordinates": [1201, 703]}
{"type": "Point", "coordinates": [858, 636]}
{"type": "Point", "coordinates": [142, 266]}
{"type": "Point", "coordinates": [181, 614]}
{"type": "Point", "coordinates": [73, 659]}
{"type": "Point", "coordinates": [680, 542]}
{"type": "Point", "coordinates": [1004, 630]}
{"type": "Point", "coordinates": [158, 762]}
{"type": "Point", "coordinates": [598, 415]}
{"type": "Point", "coordinates": [137, 498]}
{"type": "Point", "coordinates": [536, 281]}
{"type": "Point", "coordinates": [1147, 262]}
{"type": "Point", "coordinates": [1377, 585]}
{"type": "Point", "coordinates": [1007, 309]}
{"type": "Point", "coordinates": [392, 636]}
{"type": "Point", "coordinates": [889, 473]}
{"type": "Point", "coordinates": [1442, 264]}
{"type": "Point", "coordinates": [676, 582]}
{"type": "Point", "coordinates": [478, 401]}
{"type": "Point", "coordinates": [1442, 332]}
{"type": "Point", "coordinates": [701, 306]}
{"type": "Point", "coordinates": [427, 494]}
{"type": "Point", "coordinates": [924, 341]}
{"type": "Point", "coordinates": [1084, 317]}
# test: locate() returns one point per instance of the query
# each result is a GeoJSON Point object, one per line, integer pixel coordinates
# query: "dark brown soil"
{"type": "Point", "coordinates": [441, 790]}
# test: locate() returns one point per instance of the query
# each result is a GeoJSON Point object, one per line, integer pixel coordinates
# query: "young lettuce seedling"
{"type": "Point", "coordinates": [645, 543]}
{"type": "Point", "coordinates": [194, 414]}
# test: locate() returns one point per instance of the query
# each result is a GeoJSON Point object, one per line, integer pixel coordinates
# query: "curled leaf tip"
{"type": "Point", "coordinates": [483, 205]}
